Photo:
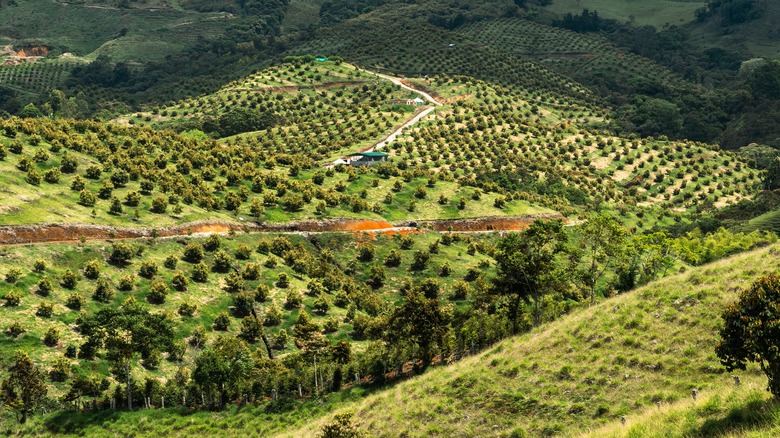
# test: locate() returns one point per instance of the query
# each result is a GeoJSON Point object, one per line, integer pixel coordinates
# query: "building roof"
{"type": "Point", "coordinates": [369, 154]}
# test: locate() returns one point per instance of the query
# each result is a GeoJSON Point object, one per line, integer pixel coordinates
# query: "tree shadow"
{"type": "Point", "coordinates": [754, 414]}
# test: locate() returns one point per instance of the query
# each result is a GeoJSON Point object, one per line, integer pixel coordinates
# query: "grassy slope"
{"type": "Point", "coordinates": [583, 371]}
{"type": "Point", "coordinates": [621, 356]}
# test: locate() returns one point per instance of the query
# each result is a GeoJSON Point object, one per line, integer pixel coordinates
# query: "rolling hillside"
{"type": "Point", "coordinates": [637, 355]}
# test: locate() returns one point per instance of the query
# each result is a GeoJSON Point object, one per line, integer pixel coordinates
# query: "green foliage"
{"type": "Point", "coordinates": [157, 292]}
{"type": "Point", "coordinates": [103, 291]}
{"type": "Point", "coordinates": [526, 266]}
{"type": "Point", "coordinates": [749, 331]}
{"type": "Point", "coordinates": [121, 253]}
{"type": "Point", "coordinates": [200, 272]}
{"type": "Point", "coordinates": [12, 298]}
{"type": "Point", "coordinates": [193, 252]}
{"type": "Point", "coordinates": [25, 387]}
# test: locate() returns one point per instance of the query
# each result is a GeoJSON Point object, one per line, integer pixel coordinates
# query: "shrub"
{"type": "Point", "coordinates": [222, 322]}
{"type": "Point", "coordinates": [39, 266]}
{"type": "Point", "coordinates": [159, 204]}
{"type": "Point", "coordinates": [15, 329]}
{"type": "Point", "coordinates": [272, 315]}
{"type": "Point", "coordinates": [250, 329]}
{"type": "Point", "coordinates": [251, 271]}
{"type": "Point", "coordinates": [152, 359]}
{"type": "Point", "coordinates": [393, 258]}
{"type": "Point", "coordinates": [179, 281]}
{"type": "Point", "coordinates": [420, 260]}
{"type": "Point", "coordinates": [193, 252]}
{"type": "Point", "coordinates": [126, 283]}
{"type": "Point", "coordinates": [187, 309]}
{"type": "Point", "coordinates": [75, 301]}
{"type": "Point", "coordinates": [157, 292]}
{"type": "Point", "coordinates": [45, 286]}
{"type": "Point", "coordinates": [87, 198]}
{"type": "Point", "coordinates": [321, 305]}
{"type": "Point", "coordinates": [52, 337]}
{"type": "Point", "coordinates": [44, 310]}
{"type": "Point", "coordinates": [61, 369]}
{"type": "Point", "coordinates": [148, 269]}
{"type": "Point", "coordinates": [293, 299]}
{"type": "Point", "coordinates": [331, 325]}
{"type": "Point", "coordinates": [283, 280]}
{"type": "Point", "coordinates": [222, 261]}
{"type": "Point", "coordinates": [212, 243]}
{"type": "Point", "coordinates": [243, 304]}
{"type": "Point", "coordinates": [262, 292]}
{"type": "Point", "coordinates": [92, 269]}
{"type": "Point", "coordinates": [13, 298]}
{"type": "Point", "coordinates": [170, 262]}
{"type": "Point", "coordinates": [121, 253]}
{"type": "Point", "coordinates": [103, 292]}
{"type": "Point", "coordinates": [366, 252]}
{"type": "Point", "coordinates": [69, 279]}
{"type": "Point", "coordinates": [281, 339]}
{"type": "Point", "coordinates": [200, 272]}
{"type": "Point", "coordinates": [243, 252]}
{"type": "Point", "coordinates": [198, 336]}
{"type": "Point", "coordinates": [13, 275]}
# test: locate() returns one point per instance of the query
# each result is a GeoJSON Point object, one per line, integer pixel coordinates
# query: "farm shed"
{"type": "Point", "coordinates": [367, 158]}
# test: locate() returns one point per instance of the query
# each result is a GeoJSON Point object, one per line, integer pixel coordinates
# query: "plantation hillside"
{"type": "Point", "coordinates": [624, 357]}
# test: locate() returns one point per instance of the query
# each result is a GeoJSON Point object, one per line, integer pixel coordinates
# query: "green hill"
{"type": "Point", "coordinates": [587, 369]}
{"type": "Point", "coordinates": [621, 358]}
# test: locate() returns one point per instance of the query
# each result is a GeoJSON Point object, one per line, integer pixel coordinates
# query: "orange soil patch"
{"type": "Point", "coordinates": [209, 228]}
{"type": "Point", "coordinates": [365, 225]}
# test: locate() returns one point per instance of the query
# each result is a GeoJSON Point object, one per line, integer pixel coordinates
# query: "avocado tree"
{"type": "Point", "coordinates": [25, 386]}
{"type": "Point", "coordinates": [751, 331]}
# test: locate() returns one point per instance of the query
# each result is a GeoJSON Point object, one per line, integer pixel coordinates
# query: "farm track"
{"type": "Point", "coordinates": [66, 233]}
{"type": "Point", "coordinates": [289, 88]}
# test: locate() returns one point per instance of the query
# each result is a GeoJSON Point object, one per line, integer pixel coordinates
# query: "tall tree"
{"type": "Point", "coordinates": [226, 364]}
{"type": "Point", "coordinates": [751, 331]}
{"type": "Point", "coordinates": [526, 263]}
{"type": "Point", "coordinates": [419, 325]}
{"type": "Point", "coordinates": [602, 242]}
{"type": "Point", "coordinates": [25, 386]}
{"type": "Point", "coordinates": [127, 330]}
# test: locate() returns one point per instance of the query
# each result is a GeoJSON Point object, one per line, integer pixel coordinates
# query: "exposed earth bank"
{"type": "Point", "coordinates": [42, 233]}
